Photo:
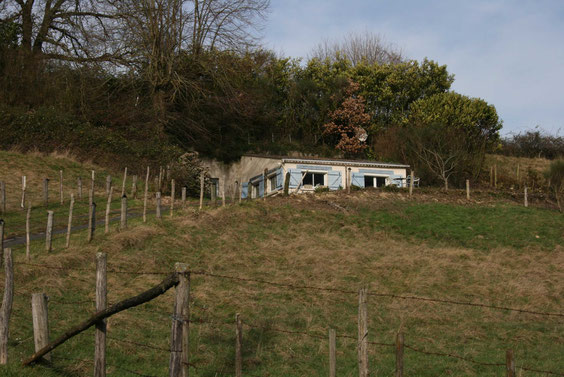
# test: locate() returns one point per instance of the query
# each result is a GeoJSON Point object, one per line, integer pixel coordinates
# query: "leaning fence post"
{"type": "Point", "coordinates": [146, 195]}
{"type": "Point", "coordinates": [238, 346]}
{"type": "Point", "coordinates": [24, 188]}
{"type": "Point", "coordinates": [40, 317]}
{"type": "Point", "coordinates": [3, 197]}
{"type": "Point", "coordinates": [467, 189]}
{"type": "Point", "coordinates": [49, 231]}
{"type": "Point", "coordinates": [510, 363]}
{"type": "Point", "coordinates": [27, 234]}
{"type": "Point", "coordinates": [61, 186]}
{"type": "Point", "coordinates": [123, 219]}
{"type": "Point", "coordinates": [123, 184]}
{"type": "Point", "coordinates": [172, 195]}
{"type": "Point", "coordinates": [362, 334]}
{"type": "Point", "coordinates": [332, 353]}
{"type": "Point", "coordinates": [399, 354]}
{"type": "Point", "coordinates": [69, 226]}
{"type": "Point", "coordinates": [101, 304]}
{"type": "Point", "coordinates": [178, 366]}
{"type": "Point", "coordinates": [158, 214]}
{"type": "Point", "coordinates": [46, 192]}
{"type": "Point", "coordinates": [6, 309]}
{"type": "Point", "coordinates": [526, 199]}
{"type": "Point", "coordinates": [201, 189]}
{"type": "Point", "coordinates": [108, 210]}
{"type": "Point", "coordinates": [91, 221]}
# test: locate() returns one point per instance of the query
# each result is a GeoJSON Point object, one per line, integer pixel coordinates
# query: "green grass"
{"type": "Point", "coordinates": [391, 244]}
{"type": "Point", "coordinates": [480, 227]}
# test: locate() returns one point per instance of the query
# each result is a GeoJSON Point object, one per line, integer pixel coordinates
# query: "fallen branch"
{"type": "Point", "coordinates": [169, 282]}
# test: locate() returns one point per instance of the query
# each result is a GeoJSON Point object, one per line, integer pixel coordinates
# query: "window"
{"type": "Point", "coordinates": [314, 179]}
{"type": "Point", "coordinates": [256, 189]}
{"type": "Point", "coordinates": [370, 181]}
{"type": "Point", "coordinates": [273, 183]}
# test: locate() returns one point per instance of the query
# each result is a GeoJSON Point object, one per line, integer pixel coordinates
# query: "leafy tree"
{"type": "Point", "coordinates": [348, 121]}
{"type": "Point", "coordinates": [449, 134]}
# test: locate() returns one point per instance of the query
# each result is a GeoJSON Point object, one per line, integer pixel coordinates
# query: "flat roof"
{"type": "Point", "coordinates": [330, 161]}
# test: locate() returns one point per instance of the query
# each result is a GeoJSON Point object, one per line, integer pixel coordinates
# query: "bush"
{"type": "Point", "coordinates": [533, 144]}
{"type": "Point", "coordinates": [555, 176]}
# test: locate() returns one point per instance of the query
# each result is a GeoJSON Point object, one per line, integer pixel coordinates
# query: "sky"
{"type": "Point", "coordinates": [507, 52]}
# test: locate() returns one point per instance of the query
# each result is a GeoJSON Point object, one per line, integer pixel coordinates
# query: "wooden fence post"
{"type": "Point", "coordinates": [183, 196]}
{"type": "Point", "coordinates": [79, 185]}
{"type": "Point", "coordinates": [526, 199]}
{"type": "Point", "coordinates": [92, 182]}
{"type": "Point", "coordinates": [3, 197]}
{"type": "Point", "coordinates": [27, 234]}
{"type": "Point", "coordinates": [349, 179]}
{"type": "Point", "coordinates": [108, 184]}
{"type": "Point", "coordinates": [399, 354]}
{"type": "Point", "coordinates": [172, 196]}
{"type": "Point", "coordinates": [123, 218]}
{"type": "Point", "coordinates": [146, 195]}
{"type": "Point", "coordinates": [201, 189]}
{"type": "Point", "coordinates": [467, 189]}
{"type": "Point", "coordinates": [158, 196]}
{"type": "Point", "coordinates": [134, 187]}
{"type": "Point", "coordinates": [362, 334]}
{"type": "Point", "coordinates": [24, 188]}
{"type": "Point", "coordinates": [69, 226]}
{"type": "Point", "coordinates": [160, 182]}
{"type": "Point", "coordinates": [411, 179]}
{"type": "Point", "coordinates": [238, 346]}
{"type": "Point", "coordinates": [91, 221]}
{"type": "Point", "coordinates": [101, 304]}
{"type": "Point", "coordinates": [123, 184]}
{"type": "Point", "coordinates": [510, 363]}
{"type": "Point", "coordinates": [178, 366]}
{"type": "Point", "coordinates": [287, 184]}
{"type": "Point", "coordinates": [108, 210]}
{"type": "Point", "coordinates": [332, 353]}
{"type": "Point", "coordinates": [40, 317]}
{"type": "Point", "coordinates": [61, 186]}
{"type": "Point", "coordinates": [46, 192]}
{"type": "Point", "coordinates": [6, 309]}
{"type": "Point", "coordinates": [49, 231]}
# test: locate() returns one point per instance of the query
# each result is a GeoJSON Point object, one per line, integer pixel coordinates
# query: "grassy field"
{"type": "Point", "coordinates": [487, 251]}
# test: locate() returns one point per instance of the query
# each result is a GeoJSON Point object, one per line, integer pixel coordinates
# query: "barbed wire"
{"type": "Point", "coordinates": [124, 341]}
{"type": "Point", "coordinates": [389, 295]}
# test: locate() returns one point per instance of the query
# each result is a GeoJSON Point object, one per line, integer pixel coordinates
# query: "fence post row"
{"type": "Point", "coordinates": [238, 346]}
{"type": "Point", "coordinates": [332, 353]}
{"type": "Point", "coordinates": [40, 318]}
{"type": "Point", "coordinates": [362, 334]}
{"type": "Point", "coordinates": [69, 225]}
{"type": "Point", "coordinates": [101, 304]}
{"type": "Point", "coordinates": [49, 231]}
{"type": "Point", "coordinates": [123, 220]}
{"type": "Point", "coordinates": [179, 362]}
{"type": "Point", "coordinates": [6, 309]}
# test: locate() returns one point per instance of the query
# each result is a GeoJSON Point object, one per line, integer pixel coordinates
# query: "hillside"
{"type": "Point", "coordinates": [291, 267]}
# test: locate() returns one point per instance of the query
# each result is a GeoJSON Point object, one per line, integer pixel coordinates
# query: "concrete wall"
{"type": "Point", "coordinates": [242, 170]}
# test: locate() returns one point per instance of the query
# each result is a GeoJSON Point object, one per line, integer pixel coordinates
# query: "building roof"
{"type": "Point", "coordinates": [330, 161]}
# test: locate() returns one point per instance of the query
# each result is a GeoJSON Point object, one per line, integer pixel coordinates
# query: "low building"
{"type": "Point", "coordinates": [305, 173]}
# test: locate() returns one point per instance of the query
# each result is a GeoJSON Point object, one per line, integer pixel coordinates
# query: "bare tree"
{"type": "Point", "coordinates": [358, 48]}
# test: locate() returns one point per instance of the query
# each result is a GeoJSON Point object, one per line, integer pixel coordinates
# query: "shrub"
{"type": "Point", "coordinates": [555, 175]}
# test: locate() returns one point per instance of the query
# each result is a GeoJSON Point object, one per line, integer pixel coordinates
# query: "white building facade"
{"type": "Point", "coordinates": [305, 174]}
